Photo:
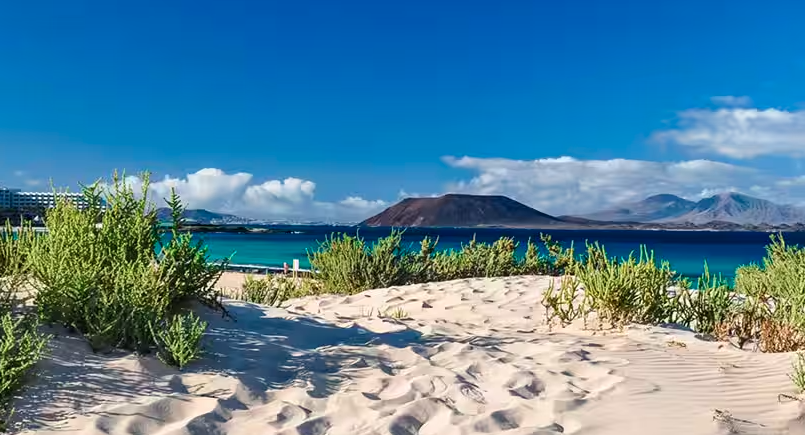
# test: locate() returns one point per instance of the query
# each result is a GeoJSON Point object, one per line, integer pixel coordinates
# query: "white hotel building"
{"type": "Point", "coordinates": [16, 199]}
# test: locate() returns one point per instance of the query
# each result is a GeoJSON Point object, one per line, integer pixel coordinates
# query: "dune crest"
{"type": "Point", "coordinates": [461, 357]}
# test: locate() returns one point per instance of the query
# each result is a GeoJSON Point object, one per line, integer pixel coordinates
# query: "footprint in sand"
{"type": "Point", "coordinates": [525, 385]}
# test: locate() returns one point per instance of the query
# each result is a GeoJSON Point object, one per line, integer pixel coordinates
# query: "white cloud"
{"type": "Point", "coordinates": [729, 100]}
{"type": "Point", "coordinates": [29, 182]}
{"type": "Point", "coordinates": [566, 185]}
{"type": "Point", "coordinates": [291, 198]}
{"type": "Point", "coordinates": [739, 133]}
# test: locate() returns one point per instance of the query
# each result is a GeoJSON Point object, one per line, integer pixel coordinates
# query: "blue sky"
{"type": "Point", "coordinates": [334, 109]}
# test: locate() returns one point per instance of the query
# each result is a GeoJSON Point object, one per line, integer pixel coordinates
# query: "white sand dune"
{"type": "Point", "coordinates": [471, 357]}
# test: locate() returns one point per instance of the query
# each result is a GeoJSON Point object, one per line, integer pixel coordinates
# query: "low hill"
{"type": "Point", "coordinates": [459, 210]}
{"type": "Point", "coordinates": [201, 216]}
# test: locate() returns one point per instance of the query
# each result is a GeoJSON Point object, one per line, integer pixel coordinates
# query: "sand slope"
{"type": "Point", "coordinates": [471, 356]}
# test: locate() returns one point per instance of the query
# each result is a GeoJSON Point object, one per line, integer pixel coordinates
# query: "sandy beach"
{"type": "Point", "coordinates": [461, 357]}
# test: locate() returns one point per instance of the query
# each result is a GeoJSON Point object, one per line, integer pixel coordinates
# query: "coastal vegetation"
{"type": "Point", "coordinates": [117, 283]}
{"type": "Point", "coordinates": [120, 285]}
{"type": "Point", "coordinates": [765, 305]}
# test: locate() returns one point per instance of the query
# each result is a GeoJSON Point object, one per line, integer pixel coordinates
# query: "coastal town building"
{"type": "Point", "coordinates": [16, 199]}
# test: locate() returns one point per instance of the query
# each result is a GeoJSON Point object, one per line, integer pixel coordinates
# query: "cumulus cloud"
{"type": "Point", "coordinates": [566, 185]}
{"type": "Point", "coordinates": [729, 100]}
{"type": "Point", "coordinates": [741, 133]}
{"type": "Point", "coordinates": [291, 198]}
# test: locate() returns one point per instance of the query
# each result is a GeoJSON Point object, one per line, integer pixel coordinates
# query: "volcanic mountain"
{"type": "Point", "coordinates": [652, 209]}
{"type": "Point", "coordinates": [742, 209]}
{"type": "Point", "coordinates": [459, 210]}
{"type": "Point", "coordinates": [724, 207]}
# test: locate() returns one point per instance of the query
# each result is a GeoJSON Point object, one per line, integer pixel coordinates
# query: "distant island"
{"type": "Point", "coordinates": [724, 212]}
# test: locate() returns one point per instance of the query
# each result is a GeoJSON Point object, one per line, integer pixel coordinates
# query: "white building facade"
{"type": "Point", "coordinates": [16, 199]}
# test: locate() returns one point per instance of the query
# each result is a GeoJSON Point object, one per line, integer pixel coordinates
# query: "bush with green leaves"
{"type": "Point", "coordinates": [21, 343]}
{"type": "Point", "coordinates": [178, 339]}
{"type": "Point", "coordinates": [626, 290]}
{"type": "Point", "coordinates": [273, 290]}
{"type": "Point", "coordinates": [566, 303]}
{"type": "Point", "coordinates": [712, 304]}
{"type": "Point", "coordinates": [346, 264]}
{"type": "Point", "coordinates": [97, 271]}
{"type": "Point", "coordinates": [21, 348]}
{"type": "Point", "coordinates": [797, 376]}
{"type": "Point", "coordinates": [774, 297]}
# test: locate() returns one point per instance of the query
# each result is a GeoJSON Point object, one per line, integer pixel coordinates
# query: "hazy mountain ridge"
{"type": "Point", "coordinates": [652, 209]}
{"type": "Point", "coordinates": [727, 212]}
{"type": "Point", "coordinates": [725, 207]}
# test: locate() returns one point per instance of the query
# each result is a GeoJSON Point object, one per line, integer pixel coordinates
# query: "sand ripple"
{"type": "Point", "coordinates": [468, 357]}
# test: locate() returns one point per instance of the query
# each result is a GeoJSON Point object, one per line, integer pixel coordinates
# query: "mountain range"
{"type": "Point", "coordinates": [727, 211]}
{"type": "Point", "coordinates": [724, 207]}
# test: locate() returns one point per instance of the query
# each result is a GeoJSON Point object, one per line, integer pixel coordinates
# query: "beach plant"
{"type": "Point", "coordinates": [178, 339]}
{"type": "Point", "coordinates": [347, 265]}
{"type": "Point", "coordinates": [342, 263]}
{"type": "Point", "coordinates": [274, 290]}
{"type": "Point", "coordinates": [395, 313]}
{"type": "Point", "coordinates": [630, 290]}
{"type": "Point", "coordinates": [533, 263]}
{"type": "Point", "coordinates": [713, 303]}
{"type": "Point", "coordinates": [477, 259]}
{"type": "Point", "coordinates": [797, 375]}
{"type": "Point", "coordinates": [566, 303]}
{"type": "Point", "coordinates": [775, 293]}
{"type": "Point", "coordinates": [560, 260]}
{"type": "Point", "coordinates": [104, 272]}
{"type": "Point", "coordinates": [21, 348]}
{"type": "Point", "coordinates": [21, 343]}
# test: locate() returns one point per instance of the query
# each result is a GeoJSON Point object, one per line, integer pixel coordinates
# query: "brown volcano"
{"type": "Point", "coordinates": [458, 210]}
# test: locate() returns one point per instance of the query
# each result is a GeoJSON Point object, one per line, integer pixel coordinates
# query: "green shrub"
{"type": "Point", "coordinates": [178, 340]}
{"type": "Point", "coordinates": [21, 345]}
{"type": "Point", "coordinates": [346, 265]}
{"type": "Point", "coordinates": [268, 291]}
{"type": "Point", "coordinates": [107, 281]}
{"type": "Point", "coordinates": [798, 374]}
{"type": "Point", "coordinates": [712, 304]}
{"type": "Point", "coordinates": [774, 295]}
{"type": "Point", "coordinates": [566, 303]}
{"type": "Point", "coordinates": [628, 290]}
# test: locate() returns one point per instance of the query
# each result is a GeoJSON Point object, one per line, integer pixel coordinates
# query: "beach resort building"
{"type": "Point", "coordinates": [16, 199]}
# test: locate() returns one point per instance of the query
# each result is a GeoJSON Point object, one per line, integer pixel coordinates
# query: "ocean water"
{"type": "Point", "coordinates": [685, 250]}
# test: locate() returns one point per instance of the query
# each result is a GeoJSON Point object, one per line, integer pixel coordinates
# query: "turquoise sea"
{"type": "Point", "coordinates": [685, 250]}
